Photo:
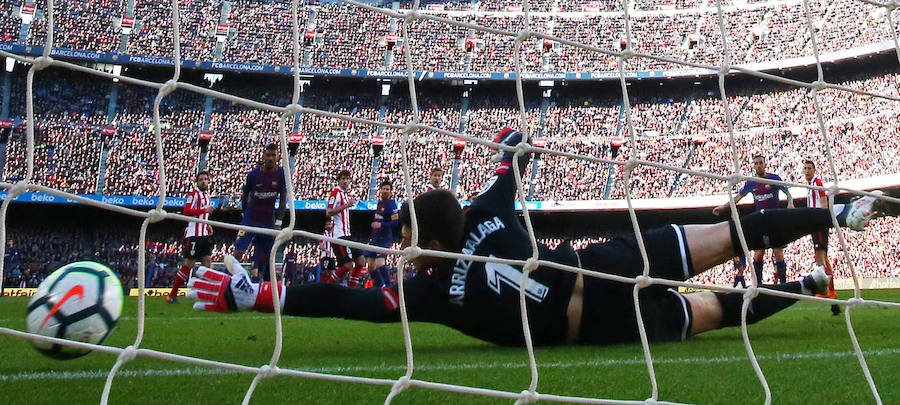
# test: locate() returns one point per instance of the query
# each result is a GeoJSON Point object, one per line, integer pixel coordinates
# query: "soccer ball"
{"type": "Point", "coordinates": [80, 301]}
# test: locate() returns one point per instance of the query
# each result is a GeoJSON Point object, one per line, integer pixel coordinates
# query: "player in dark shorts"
{"type": "Point", "coordinates": [198, 248]}
{"type": "Point", "coordinates": [386, 219]}
{"type": "Point", "coordinates": [765, 197]}
{"type": "Point", "coordinates": [819, 199]}
{"type": "Point", "coordinates": [482, 299]}
{"type": "Point", "coordinates": [740, 264]}
{"type": "Point", "coordinates": [197, 245]}
{"type": "Point", "coordinates": [338, 211]}
{"type": "Point", "coordinates": [291, 274]}
{"type": "Point", "coordinates": [264, 184]}
{"type": "Point", "coordinates": [342, 255]}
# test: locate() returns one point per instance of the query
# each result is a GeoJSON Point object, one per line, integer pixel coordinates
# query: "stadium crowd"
{"type": "Point", "coordinates": [343, 36]}
{"type": "Point", "coordinates": [82, 25]}
{"type": "Point", "coordinates": [680, 130]}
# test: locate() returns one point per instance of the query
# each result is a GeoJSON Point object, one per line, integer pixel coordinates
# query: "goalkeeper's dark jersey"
{"type": "Point", "coordinates": [482, 299]}
{"type": "Point", "coordinates": [478, 299]}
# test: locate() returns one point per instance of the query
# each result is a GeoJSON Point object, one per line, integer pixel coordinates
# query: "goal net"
{"type": "Point", "coordinates": [521, 61]}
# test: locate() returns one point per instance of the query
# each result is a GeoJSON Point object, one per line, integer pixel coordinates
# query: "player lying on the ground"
{"type": "Point", "coordinates": [482, 299]}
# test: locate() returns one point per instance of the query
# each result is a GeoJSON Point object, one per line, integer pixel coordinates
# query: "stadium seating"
{"type": "Point", "coordinates": [347, 37]}
{"type": "Point", "coordinates": [684, 131]}
{"type": "Point", "coordinates": [862, 131]}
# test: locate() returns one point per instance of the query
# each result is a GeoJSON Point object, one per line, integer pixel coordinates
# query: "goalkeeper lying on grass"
{"type": "Point", "coordinates": [482, 299]}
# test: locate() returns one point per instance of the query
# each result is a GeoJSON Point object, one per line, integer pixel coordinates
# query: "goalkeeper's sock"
{"type": "Point", "coordinates": [778, 227]}
{"type": "Point", "coordinates": [760, 307]}
{"type": "Point", "coordinates": [180, 279]}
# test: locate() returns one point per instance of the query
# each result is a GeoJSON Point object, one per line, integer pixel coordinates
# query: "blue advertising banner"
{"type": "Point", "coordinates": [122, 200]}
{"type": "Point", "coordinates": [178, 202]}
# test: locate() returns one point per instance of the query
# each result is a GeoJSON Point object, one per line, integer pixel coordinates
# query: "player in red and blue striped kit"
{"type": "Point", "coordinates": [765, 197]}
{"type": "Point", "coordinates": [264, 184]}
{"type": "Point", "coordinates": [387, 218]}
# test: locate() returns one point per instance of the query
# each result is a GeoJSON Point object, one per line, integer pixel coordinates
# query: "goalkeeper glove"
{"type": "Point", "coordinates": [222, 292]}
{"type": "Point", "coordinates": [509, 137]}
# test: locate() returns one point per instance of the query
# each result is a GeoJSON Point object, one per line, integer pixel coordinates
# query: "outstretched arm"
{"type": "Point", "coordinates": [220, 292]}
{"type": "Point", "coordinates": [790, 199]}
{"type": "Point", "coordinates": [323, 300]}
{"type": "Point", "coordinates": [279, 213]}
{"type": "Point", "coordinates": [500, 192]}
{"type": "Point", "coordinates": [725, 207]}
{"type": "Point", "coordinates": [245, 193]}
{"type": "Point", "coordinates": [282, 200]}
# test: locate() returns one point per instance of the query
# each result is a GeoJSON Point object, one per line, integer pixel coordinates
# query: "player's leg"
{"type": "Point", "coordinates": [204, 250]}
{"type": "Point", "coordinates": [191, 254]}
{"type": "Point", "coordinates": [344, 263]}
{"type": "Point", "coordinates": [718, 310]}
{"type": "Point", "coordinates": [370, 265]}
{"type": "Point", "coordinates": [241, 244]}
{"type": "Point", "coordinates": [329, 265]}
{"type": "Point", "coordinates": [359, 263]}
{"type": "Point", "coordinates": [384, 272]}
{"type": "Point", "coordinates": [681, 252]}
{"type": "Point", "coordinates": [820, 250]}
{"type": "Point", "coordinates": [262, 246]}
{"type": "Point", "coordinates": [181, 278]}
{"type": "Point", "coordinates": [710, 245]}
{"type": "Point", "coordinates": [780, 265]}
{"type": "Point", "coordinates": [758, 264]}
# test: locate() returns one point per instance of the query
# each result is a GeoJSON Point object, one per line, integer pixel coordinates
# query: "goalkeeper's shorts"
{"type": "Point", "coordinates": [609, 315]}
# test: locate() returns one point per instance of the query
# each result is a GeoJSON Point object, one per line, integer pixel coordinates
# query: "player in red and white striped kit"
{"type": "Point", "coordinates": [339, 204]}
{"type": "Point", "coordinates": [197, 243]}
{"type": "Point", "coordinates": [338, 210]}
{"type": "Point", "coordinates": [818, 199]}
{"type": "Point", "coordinates": [326, 255]}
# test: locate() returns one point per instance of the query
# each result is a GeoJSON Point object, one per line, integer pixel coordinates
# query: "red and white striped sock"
{"type": "Point", "coordinates": [354, 276]}
{"type": "Point", "coordinates": [180, 280]}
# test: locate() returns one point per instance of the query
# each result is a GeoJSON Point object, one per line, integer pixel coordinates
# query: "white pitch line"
{"type": "Point", "coordinates": [101, 374]}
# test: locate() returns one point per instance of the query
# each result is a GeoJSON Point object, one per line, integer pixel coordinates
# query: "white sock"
{"type": "Point", "coordinates": [838, 209]}
{"type": "Point", "coordinates": [804, 290]}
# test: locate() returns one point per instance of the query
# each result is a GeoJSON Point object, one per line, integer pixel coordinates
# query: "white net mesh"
{"type": "Point", "coordinates": [412, 129]}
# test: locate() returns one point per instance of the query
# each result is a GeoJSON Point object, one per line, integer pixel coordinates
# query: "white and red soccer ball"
{"type": "Point", "coordinates": [80, 301]}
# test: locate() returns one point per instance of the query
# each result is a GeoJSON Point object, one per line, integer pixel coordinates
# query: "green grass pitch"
{"type": "Point", "coordinates": [805, 353]}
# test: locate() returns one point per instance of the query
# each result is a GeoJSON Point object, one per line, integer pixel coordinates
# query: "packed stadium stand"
{"type": "Point", "coordinates": [343, 36]}
{"type": "Point", "coordinates": [677, 122]}
{"type": "Point", "coordinates": [861, 130]}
